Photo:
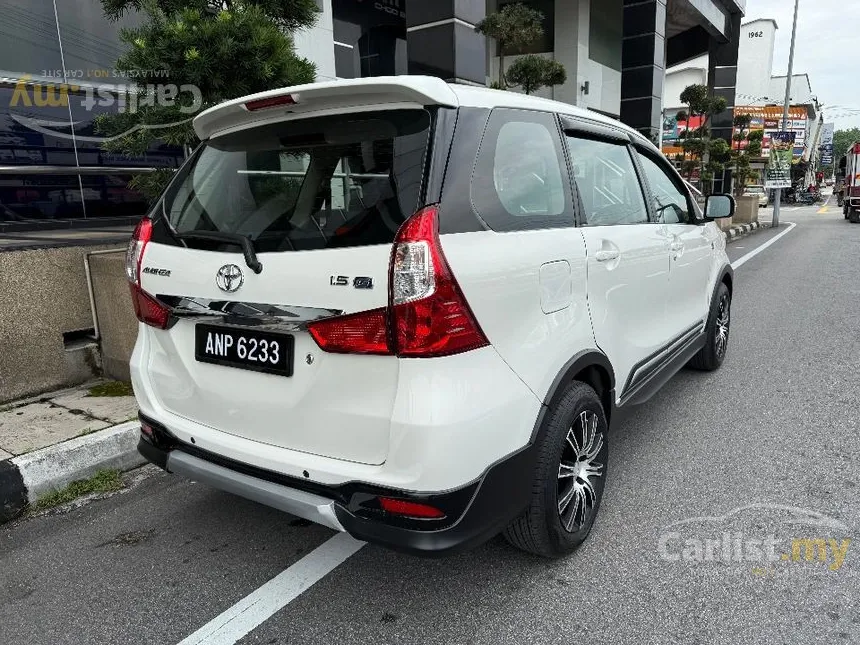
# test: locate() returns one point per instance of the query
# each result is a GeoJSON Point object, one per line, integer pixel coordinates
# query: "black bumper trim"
{"type": "Point", "coordinates": [474, 513]}
{"type": "Point", "coordinates": [503, 493]}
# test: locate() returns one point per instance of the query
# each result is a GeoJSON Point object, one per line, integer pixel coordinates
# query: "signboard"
{"type": "Point", "coordinates": [769, 119]}
{"type": "Point", "coordinates": [778, 171]}
{"type": "Point", "coordinates": [673, 131]}
{"type": "Point", "coordinates": [827, 144]}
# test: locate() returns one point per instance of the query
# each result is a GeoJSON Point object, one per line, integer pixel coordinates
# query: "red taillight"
{"type": "Point", "coordinates": [362, 333]}
{"type": "Point", "coordinates": [148, 309]}
{"type": "Point", "coordinates": [271, 102]}
{"type": "Point", "coordinates": [410, 509]}
{"type": "Point", "coordinates": [855, 191]}
{"type": "Point", "coordinates": [429, 313]}
{"type": "Point", "coordinates": [134, 255]}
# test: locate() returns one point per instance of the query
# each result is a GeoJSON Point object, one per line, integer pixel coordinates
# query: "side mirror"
{"type": "Point", "coordinates": [719, 206]}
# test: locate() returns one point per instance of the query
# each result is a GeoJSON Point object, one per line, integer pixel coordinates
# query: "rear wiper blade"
{"type": "Point", "coordinates": [230, 238]}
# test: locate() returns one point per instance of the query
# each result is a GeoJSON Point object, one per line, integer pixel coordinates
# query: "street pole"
{"type": "Point", "coordinates": [777, 200]}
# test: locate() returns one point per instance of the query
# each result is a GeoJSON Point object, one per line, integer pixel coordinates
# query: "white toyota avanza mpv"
{"type": "Point", "coordinates": [408, 310]}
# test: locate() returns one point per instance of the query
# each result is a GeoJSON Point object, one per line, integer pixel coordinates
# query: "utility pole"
{"type": "Point", "coordinates": [778, 197]}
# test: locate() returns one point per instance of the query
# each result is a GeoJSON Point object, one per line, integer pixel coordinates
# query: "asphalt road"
{"type": "Point", "coordinates": [768, 447]}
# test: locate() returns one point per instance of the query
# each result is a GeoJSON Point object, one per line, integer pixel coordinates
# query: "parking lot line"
{"type": "Point", "coordinates": [257, 607]}
{"type": "Point", "coordinates": [749, 256]}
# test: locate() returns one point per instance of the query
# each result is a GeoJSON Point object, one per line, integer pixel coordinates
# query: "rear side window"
{"type": "Point", "coordinates": [332, 182]}
{"type": "Point", "coordinates": [607, 183]}
{"type": "Point", "coordinates": [518, 183]}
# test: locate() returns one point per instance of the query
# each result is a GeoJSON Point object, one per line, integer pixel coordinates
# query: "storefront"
{"type": "Point", "coordinates": [53, 167]}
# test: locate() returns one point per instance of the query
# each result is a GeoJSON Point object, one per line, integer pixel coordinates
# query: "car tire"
{"type": "Point", "coordinates": [569, 477]}
{"type": "Point", "coordinates": [711, 356]}
{"type": "Point", "coordinates": [854, 216]}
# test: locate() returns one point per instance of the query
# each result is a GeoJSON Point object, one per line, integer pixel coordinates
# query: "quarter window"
{"type": "Point", "coordinates": [607, 182]}
{"type": "Point", "coordinates": [518, 181]}
{"type": "Point", "coordinates": [671, 205]}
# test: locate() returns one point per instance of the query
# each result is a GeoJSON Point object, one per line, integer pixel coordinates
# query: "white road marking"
{"type": "Point", "coordinates": [260, 605]}
{"type": "Point", "coordinates": [749, 256]}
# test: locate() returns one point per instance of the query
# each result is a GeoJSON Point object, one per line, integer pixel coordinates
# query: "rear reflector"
{"type": "Point", "coordinates": [271, 102]}
{"type": "Point", "coordinates": [146, 429]}
{"type": "Point", "coordinates": [410, 509]}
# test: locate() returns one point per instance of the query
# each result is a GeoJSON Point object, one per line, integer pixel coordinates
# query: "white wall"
{"type": "Point", "coordinates": [604, 82]}
{"type": "Point", "coordinates": [693, 72]}
{"type": "Point", "coordinates": [801, 91]}
{"type": "Point", "coordinates": [755, 62]}
{"type": "Point", "coordinates": [567, 50]}
{"type": "Point", "coordinates": [755, 66]}
{"type": "Point", "coordinates": [317, 43]}
{"type": "Point", "coordinates": [571, 50]}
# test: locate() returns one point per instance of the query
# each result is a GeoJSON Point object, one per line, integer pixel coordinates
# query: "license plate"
{"type": "Point", "coordinates": [247, 349]}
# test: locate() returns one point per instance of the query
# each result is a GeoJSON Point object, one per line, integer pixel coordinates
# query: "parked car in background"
{"type": "Point", "coordinates": [759, 192]}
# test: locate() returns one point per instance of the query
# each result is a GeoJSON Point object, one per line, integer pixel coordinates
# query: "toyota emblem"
{"type": "Point", "coordinates": [229, 278]}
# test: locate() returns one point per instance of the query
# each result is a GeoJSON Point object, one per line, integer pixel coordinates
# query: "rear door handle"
{"type": "Point", "coordinates": [606, 256]}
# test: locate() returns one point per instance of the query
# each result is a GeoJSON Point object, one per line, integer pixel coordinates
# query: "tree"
{"type": "Point", "coordinates": [514, 27]}
{"type": "Point", "coordinates": [532, 72]}
{"type": "Point", "coordinates": [747, 146]}
{"type": "Point", "coordinates": [224, 49]}
{"type": "Point", "coordinates": [700, 151]}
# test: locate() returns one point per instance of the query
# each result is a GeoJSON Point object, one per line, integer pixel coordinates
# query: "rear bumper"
{"type": "Point", "coordinates": [473, 513]}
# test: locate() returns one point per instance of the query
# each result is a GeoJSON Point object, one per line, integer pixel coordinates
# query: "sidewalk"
{"type": "Point", "coordinates": [49, 441]}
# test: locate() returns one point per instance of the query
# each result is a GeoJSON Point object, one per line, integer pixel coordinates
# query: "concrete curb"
{"type": "Point", "coordinates": [25, 478]}
{"type": "Point", "coordinates": [742, 230]}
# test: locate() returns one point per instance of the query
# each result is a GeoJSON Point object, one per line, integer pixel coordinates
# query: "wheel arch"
{"type": "Point", "coordinates": [726, 277]}
{"type": "Point", "coordinates": [591, 367]}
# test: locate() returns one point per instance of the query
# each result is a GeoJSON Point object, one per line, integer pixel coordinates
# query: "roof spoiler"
{"type": "Point", "coordinates": [300, 100]}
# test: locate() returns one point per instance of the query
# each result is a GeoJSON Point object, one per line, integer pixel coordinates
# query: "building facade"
{"type": "Point", "coordinates": [758, 93]}
{"type": "Point", "coordinates": [53, 169]}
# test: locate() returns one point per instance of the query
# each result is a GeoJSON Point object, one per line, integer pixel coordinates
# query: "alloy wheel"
{"type": "Point", "coordinates": [723, 319]}
{"type": "Point", "coordinates": [579, 471]}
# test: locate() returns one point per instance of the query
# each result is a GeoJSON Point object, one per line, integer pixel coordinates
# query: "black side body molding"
{"type": "Point", "coordinates": [654, 372]}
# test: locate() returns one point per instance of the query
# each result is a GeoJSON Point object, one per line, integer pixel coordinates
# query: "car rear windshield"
{"type": "Point", "coordinates": [326, 182]}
